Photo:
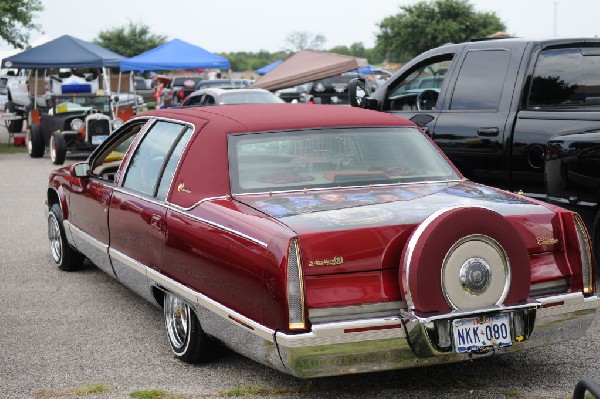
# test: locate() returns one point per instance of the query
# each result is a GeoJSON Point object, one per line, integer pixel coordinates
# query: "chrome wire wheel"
{"type": "Point", "coordinates": [54, 236]}
{"type": "Point", "coordinates": [177, 321]}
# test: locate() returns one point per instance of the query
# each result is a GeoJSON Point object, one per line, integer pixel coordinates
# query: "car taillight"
{"type": "Point", "coordinates": [585, 254]}
{"type": "Point", "coordinates": [181, 94]}
{"type": "Point", "coordinates": [295, 291]}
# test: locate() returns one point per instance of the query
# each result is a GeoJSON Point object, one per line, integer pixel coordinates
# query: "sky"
{"type": "Point", "coordinates": [235, 25]}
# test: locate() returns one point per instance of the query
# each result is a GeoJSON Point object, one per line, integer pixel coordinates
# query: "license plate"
{"type": "Point", "coordinates": [479, 332]}
{"type": "Point", "coordinates": [98, 139]}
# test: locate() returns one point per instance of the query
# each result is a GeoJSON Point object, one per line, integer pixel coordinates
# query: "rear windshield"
{"type": "Point", "coordinates": [326, 158]}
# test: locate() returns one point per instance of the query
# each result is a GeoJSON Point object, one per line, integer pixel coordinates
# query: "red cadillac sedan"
{"type": "Point", "coordinates": [319, 240]}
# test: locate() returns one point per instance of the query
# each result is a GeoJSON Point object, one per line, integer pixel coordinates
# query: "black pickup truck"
{"type": "Point", "coordinates": [493, 106]}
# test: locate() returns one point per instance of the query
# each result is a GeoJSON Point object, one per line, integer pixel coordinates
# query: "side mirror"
{"type": "Point", "coordinates": [359, 91]}
{"type": "Point", "coordinates": [80, 169]}
{"type": "Point", "coordinates": [116, 99]}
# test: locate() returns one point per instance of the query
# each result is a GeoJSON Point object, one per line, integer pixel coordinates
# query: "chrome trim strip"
{"type": "Point", "coordinates": [132, 263]}
{"type": "Point", "coordinates": [183, 212]}
{"type": "Point", "coordinates": [350, 187]}
{"type": "Point", "coordinates": [189, 208]}
{"type": "Point", "coordinates": [192, 296]}
{"type": "Point", "coordinates": [346, 313]}
{"type": "Point", "coordinates": [89, 239]}
{"type": "Point", "coordinates": [334, 333]}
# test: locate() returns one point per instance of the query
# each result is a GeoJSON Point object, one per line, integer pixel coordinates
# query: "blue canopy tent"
{"type": "Point", "coordinates": [267, 68]}
{"type": "Point", "coordinates": [173, 55]}
{"type": "Point", "coordinates": [64, 52]}
{"type": "Point", "coordinates": [372, 70]}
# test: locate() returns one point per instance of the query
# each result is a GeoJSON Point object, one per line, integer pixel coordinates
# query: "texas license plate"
{"type": "Point", "coordinates": [98, 139]}
{"type": "Point", "coordinates": [480, 332]}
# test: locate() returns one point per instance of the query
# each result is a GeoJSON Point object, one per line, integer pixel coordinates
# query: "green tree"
{"type": "Point", "coordinates": [131, 40]}
{"type": "Point", "coordinates": [429, 24]}
{"type": "Point", "coordinates": [296, 41]}
{"type": "Point", "coordinates": [16, 21]}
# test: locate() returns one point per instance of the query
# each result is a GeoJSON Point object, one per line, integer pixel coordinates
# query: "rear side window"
{"type": "Point", "coordinates": [480, 81]}
{"type": "Point", "coordinates": [151, 157]}
{"type": "Point", "coordinates": [566, 77]}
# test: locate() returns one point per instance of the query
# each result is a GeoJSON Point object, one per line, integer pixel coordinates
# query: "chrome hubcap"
{"type": "Point", "coordinates": [54, 237]}
{"type": "Point", "coordinates": [177, 320]}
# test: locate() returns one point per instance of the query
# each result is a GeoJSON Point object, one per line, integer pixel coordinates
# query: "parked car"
{"type": "Point", "coordinates": [319, 240]}
{"type": "Point", "coordinates": [143, 87]}
{"type": "Point", "coordinates": [231, 83]}
{"type": "Point", "coordinates": [181, 86]}
{"type": "Point", "coordinates": [292, 94]}
{"type": "Point", "coordinates": [230, 96]}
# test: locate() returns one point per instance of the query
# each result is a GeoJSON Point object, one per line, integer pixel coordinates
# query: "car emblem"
{"type": "Point", "coordinates": [181, 188]}
{"type": "Point", "coordinates": [546, 240]}
{"type": "Point", "coordinates": [336, 260]}
{"type": "Point", "coordinates": [475, 276]}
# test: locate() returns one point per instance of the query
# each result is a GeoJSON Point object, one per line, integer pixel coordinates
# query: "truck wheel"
{"type": "Point", "coordinates": [35, 142]}
{"type": "Point", "coordinates": [65, 257]}
{"type": "Point", "coordinates": [58, 148]}
{"type": "Point", "coordinates": [14, 126]}
{"type": "Point", "coordinates": [188, 342]}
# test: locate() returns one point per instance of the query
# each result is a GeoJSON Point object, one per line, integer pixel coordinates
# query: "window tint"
{"type": "Point", "coordinates": [208, 100]}
{"type": "Point", "coordinates": [566, 77]}
{"type": "Point", "coordinates": [480, 80]}
{"type": "Point", "coordinates": [195, 100]}
{"type": "Point", "coordinates": [169, 173]}
{"type": "Point", "coordinates": [146, 164]}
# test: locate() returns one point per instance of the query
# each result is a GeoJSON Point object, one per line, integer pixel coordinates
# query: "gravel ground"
{"type": "Point", "coordinates": [64, 331]}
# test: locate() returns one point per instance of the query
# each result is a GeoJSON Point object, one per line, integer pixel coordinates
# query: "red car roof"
{"type": "Point", "coordinates": [264, 117]}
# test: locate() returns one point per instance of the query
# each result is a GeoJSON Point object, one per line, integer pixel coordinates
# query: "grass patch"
{"type": "Point", "coordinates": [240, 392]}
{"type": "Point", "coordinates": [6, 148]}
{"type": "Point", "coordinates": [82, 391]}
{"type": "Point", "coordinates": [157, 394]}
{"type": "Point", "coordinates": [91, 389]}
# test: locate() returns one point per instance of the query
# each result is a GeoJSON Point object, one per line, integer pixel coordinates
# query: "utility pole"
{"type": "Point", "coordinates": [555, 30]}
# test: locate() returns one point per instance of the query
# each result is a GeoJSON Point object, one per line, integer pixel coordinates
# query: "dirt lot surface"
{"type": "Point", "coordinates": [63, 334]}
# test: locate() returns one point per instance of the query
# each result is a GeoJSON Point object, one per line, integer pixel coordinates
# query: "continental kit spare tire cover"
{"type": "Point", "coordinates": [462, 259]}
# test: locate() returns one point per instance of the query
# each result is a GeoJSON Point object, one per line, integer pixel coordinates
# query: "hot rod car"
{"type": "Point", "coordinates": [319, 240]}
{"type": "Point", "coordinates": [74, 123]}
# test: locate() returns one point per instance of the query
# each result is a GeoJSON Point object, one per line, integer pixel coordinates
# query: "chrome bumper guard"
{"type": "Point", "coordinates": [387, 343]}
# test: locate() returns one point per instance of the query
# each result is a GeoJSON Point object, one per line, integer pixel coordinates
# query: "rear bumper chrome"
{"type": "Point", "coordinates": [392, 342]}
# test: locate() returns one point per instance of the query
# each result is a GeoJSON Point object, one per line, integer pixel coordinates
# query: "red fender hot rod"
{"type": "Point", "coordinates": [319, 240]}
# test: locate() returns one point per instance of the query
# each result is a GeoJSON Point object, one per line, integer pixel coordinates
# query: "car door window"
{"type": "Point", "coordinates": [208, 100]}
{"type": "Point", "coordinates": [429, 75]}
{"type": "Point", "coordinates": [147, 162]}
{"type": "Point", "coordinates": [480, 80]}
{"type": "Point", "coordinates": [106, 165]}
{"type": "Point", "coordinates": [169, 172]}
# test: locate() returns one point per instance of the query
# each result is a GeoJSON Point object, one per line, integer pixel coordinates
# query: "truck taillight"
{"type": "Point", "coordinates": [295, 288]}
